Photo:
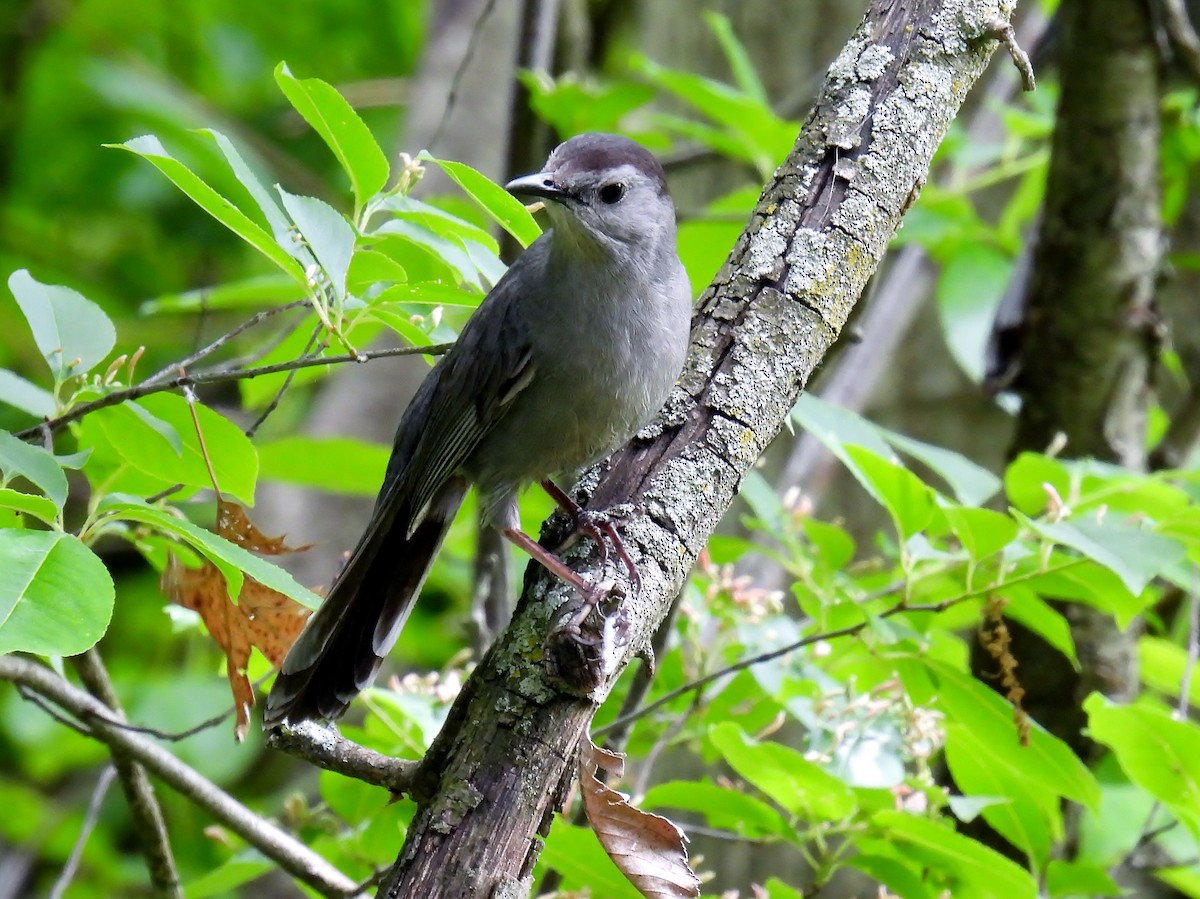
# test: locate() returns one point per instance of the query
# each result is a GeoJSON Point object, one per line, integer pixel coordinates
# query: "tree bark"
{"type": "Point", "coordinates": [1088, 337]}
{"type": "Point", "coordinates": [495, 775]}
{"type": "Point", "coordinates": [1090, 305]}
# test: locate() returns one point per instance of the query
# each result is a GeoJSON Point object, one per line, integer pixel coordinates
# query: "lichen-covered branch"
{"type": "Point", "coordinates": [493, 778]}
{"type": "Point", "coordinates": [327, 749]}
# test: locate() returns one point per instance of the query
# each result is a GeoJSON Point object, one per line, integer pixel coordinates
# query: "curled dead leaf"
{"type": "Point", "coordinates": [262, 617]}
{"type": "Point", "coordinates": [648, 849]}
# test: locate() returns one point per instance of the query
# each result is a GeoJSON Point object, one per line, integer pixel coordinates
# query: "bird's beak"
{"type": "Point", "coordinates": [540, 185]}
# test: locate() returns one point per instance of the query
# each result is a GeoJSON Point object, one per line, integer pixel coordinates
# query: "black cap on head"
{"type": "Point", "coordinates": [596, 151]}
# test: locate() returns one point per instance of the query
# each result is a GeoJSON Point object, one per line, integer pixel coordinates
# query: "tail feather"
{"type": "Point", "coordinates": [340, 651]}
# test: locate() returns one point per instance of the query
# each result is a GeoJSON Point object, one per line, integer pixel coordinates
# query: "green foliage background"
{"type": "Point", "coordinates": [831, 751]}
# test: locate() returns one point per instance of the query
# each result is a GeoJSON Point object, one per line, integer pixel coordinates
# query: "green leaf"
{"type": "Point", "coordinates": [446, 253]}
{"type": "Point", "coordinates": [224, 879]}
{"type": "Point", "coordinates": [574, 105]}
{"type": "Point", "coordinates": [505, 209]}
{"type": "Point", "coordinates": [1134, 554]}
{"type": "Point", "coordinates": [784, 775]}
{"type": "Point", "coordinates": [30, 504]}
{"type": "Point", "coordinates": [1088, 582]}
{"type": "Point", "coordinates": [358, 471]}
{"type": "Point", "coordinates": [740, 63]}
{"type": "Point", "coordinates": [898, 877]}
{"type": "Point", "coordinates": [251, 293]}
{"type": "Point", "coordinates": [980, 531]}
{"type": "Point", "coordinates": [1025, 606]}
{"type": "Point", "coordinates": [1163, 666]}
{"type": "Point", "coordinates": [1024, 479]}
{"type": "Point", "coordinates": [1025, 819]}
{"type": "Point", "coordinates": [969, 289]}
{"type": "Point", "coordinates": [25, 395]}
{"type": "Point", "coordinates": [149, 448]}
{"type": "Point", "coordinates": [230, 558]}
{"type": "Point", "coordinates": [1078, 879]}
{"type": "Point", "coordinates": [972, 484]}
{"type": "Point", "coordinates": [72, 332]}
{"type": "Point", "coordinates": [56, 596]}
{"type": "Point", "coordinates": [578, 856]}
{"type": "Point", "coordinates": [370, 267]}
{"type": "Point", "coordinates": [36, 465]}
{"type": "Point", "coordinates": [1047, 764]}
{"type": "Point", "coordinates": [223, 210]}
{"type": "Point", "coordinates": [907, 498]}
{"type": "Point", "coordinates": [722, 807]}
{"type": "Point", "coordinates": [1158, 753]}
{"type": "Point", "coordinates": [342, 130]}
{"type": "Point", "coordinates": [327, 233]}
{"type": "Point", "coordinates": [836, 428]}
{"type": "Point", "coordinates": [280, 226]}
{"type": "Point", "coordinates": [971, 868]}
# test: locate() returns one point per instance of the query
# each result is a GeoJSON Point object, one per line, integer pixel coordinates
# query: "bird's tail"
{"type": "Point", "coordinates": [344, 643]}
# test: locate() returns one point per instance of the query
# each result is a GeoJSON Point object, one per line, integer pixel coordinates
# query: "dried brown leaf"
{"type": "Point", "coordinates": [648, 849]}
{"type": "Point", "coordinates": [261, 617]}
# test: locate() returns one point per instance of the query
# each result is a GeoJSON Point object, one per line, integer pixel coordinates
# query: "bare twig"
{"type": "Point", "coordinates": [1003, 31]}
{"type": "Point", "coordinates": [851, 631]}
{"type": "Point", "coordinates": [211, 348]}
{"type": "Point", "coordinates": [220, 377]}
{"type": "Point", "coordinates": [327, 749]}
{"type": "Point", "coordinates": [286, 385]}
{"type": "Point", "coordinates": [460, 72]}
{"type": "Point", "coordinates": [149, 823]}
{"type": "Point", "coordinates": [89, 822]}
{"type": "Point", "coordinates": [288, 852]}
{"type": "Point", "coordinates": [743, 664]}
{"type": "Point", "coordinates": [1182, 35]}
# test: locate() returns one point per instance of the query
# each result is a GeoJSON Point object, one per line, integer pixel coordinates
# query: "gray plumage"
{"type": "Point", "coordinates": [571, 352]}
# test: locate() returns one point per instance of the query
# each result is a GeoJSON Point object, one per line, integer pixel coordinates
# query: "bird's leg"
{"type": "Point", "coordinates": [597, 527]}
{"type": "Point", "coordinates": [592, 594]}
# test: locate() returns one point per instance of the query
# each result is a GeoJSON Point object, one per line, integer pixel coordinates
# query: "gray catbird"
{"type": "Point", "coordinates": [568, 356]}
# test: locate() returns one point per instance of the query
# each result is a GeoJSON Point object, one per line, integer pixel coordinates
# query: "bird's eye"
{"type": "Point", "coordinates": [612, 193]}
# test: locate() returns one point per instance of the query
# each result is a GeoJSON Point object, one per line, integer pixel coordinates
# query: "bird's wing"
{"type": "Point", "coordinates": [458, 404]}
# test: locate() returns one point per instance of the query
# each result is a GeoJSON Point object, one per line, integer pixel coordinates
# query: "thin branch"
{"type": "Point", "coordinates": [89, 823]}
{"type": "Point", "coordinates": [32, 697]}
{"type": "Point", "coordinates": [459, 73]}
{"type": "Point", "coordinates": [206, 351]}
{"type": "Point", "coordinates": [288, 852]}
{"type": "Point", "coordinates": [149, 823]}
{"type": "Point", "coordinates": [221, 377]}
{"type": "Point", "coordinates": [176, 736]}
{"type": "Point", "coordinates": [1181, 34]}
{"type": "Point", "coordinates": [1002, 30]}
{"type": "Point", "coordinates": [286, 385]}
{"type": "Point", "coordinates": [741, 665]}
{"type": "Point", "coordinates": [328, 749]}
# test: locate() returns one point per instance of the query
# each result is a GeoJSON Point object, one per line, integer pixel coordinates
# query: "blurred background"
{"type": "Point", "coordinates": [442, 75]}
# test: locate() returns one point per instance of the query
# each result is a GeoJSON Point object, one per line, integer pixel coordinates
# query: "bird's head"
{"type": "Point", "coordinates": [606, 189]}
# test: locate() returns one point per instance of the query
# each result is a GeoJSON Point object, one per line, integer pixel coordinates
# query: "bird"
{"type": "Point", "coordinates": [569, 355]}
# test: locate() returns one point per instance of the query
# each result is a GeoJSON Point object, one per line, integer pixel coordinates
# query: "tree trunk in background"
{"type": "Point", "coordinates": [367, 401]}
{"type": "Point", "coordinates": [1085, 347]}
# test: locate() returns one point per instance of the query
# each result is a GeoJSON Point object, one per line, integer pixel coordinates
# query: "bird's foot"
{"type": "Point", "coordinates": [599, 527]}
{"type": "Point", "coordinates": [603, 598]}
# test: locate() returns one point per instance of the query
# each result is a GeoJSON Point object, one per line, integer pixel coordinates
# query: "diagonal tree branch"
{"type": "Point", "coordinates": [490, 783]}
{"type": "Point", "coordinates": [149, 824]}
{"type": "Point", "coordinates": [288, 852]}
